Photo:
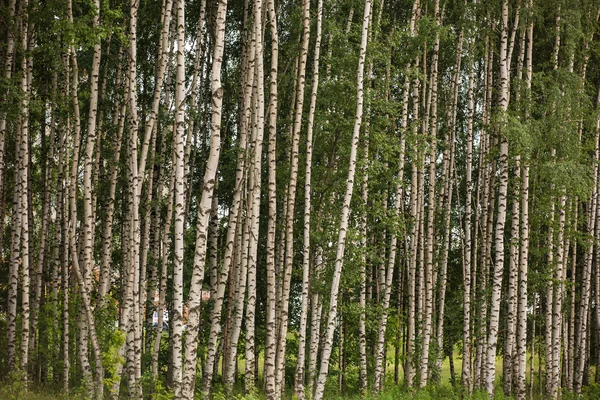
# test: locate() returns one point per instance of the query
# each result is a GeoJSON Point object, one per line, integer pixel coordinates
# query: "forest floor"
{"type": "Point", "coordinates": [442, 390]}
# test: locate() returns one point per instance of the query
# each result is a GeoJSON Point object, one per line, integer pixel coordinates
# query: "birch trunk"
{"type": "Point", "coordinates": [524, 253]}
{"type": "Point", "coordinates": [88, 161]}
{"type": "Point", "coordinates": [299, 376]}
{"type": "Point", "coordinates": [180, 387]}
{"type": "Point", "coordinates": [502, 194]}
{"type": "Point", "coordinates": [7, 73]}
{"type": "Point", "coordinates": [255, 196]}
{"type": "Point", "coordinates": [23, 170]}
{"type": "Point", "coordinates": [513, 262]}
{"type": "Point", "coordinates": [592, 228]}
{"type": "Point", "coordinates": [162, 286]}
{"type": "Point", "coordinates": [204, 207]}
{"type": "Point", "coordinates": [215, 141]}
{"type": "Point", "coordinates": [15, 236]}
{"type": "Point", "coordinates": [237, 291]}
{"type": "Point", "coordinates": [270, 340]}
{"type": "Point", "coordinates": [362, 334]}
{"type": "Point", "coordinates": [320, 385]}
{"type": "Point", "coordinates": [467, 262]}
{"type": "Point", "coordinates": [428, 270]}
{"type": "Point", "coordinates": [291, 204]}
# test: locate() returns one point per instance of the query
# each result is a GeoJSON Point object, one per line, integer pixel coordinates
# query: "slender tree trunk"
{"type": "Point", "coordinates": [522, 308]}
{"type": "Point", "coordinates": [299, 377]}
{"type": "Point", "coordinates": [180, 387]}
{"type": "Point", "coordinates": [429, 261]}
{"type": "Point", "coordinates": [291, 203]}
{"type": "Point", "coordinates": [502, 194]}
{"type": "Point", "coordinates": [592, 225]}
{"type": "Point", "coordinates": [7, 73]}
{"type": "Point", "coordinates": [521, 349]}
{"type": "Point", "coordinates": [271, 333]}
{"type": "Point", "coordinates": [215, 144]}
{"type": "Point", "coordinates": [255, 196]}
{"type": "Point", "coordinates": [237, 290]}
{"type": "Point", "coordinates": [509, 345]}
{"type": "Point", "coordinates": [320, 386]}
{"type": "Point", "coordinates": [466, 364]}
{"type": "Point", "coordinates": [362, 334]}
{"type": "Point", "coordinates": [162, 286]}
{"type": "Point", "coordinates": [23, 176]}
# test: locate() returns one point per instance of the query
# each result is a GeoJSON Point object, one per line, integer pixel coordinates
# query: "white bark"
{"type": "Point", "coordinates": [180, 387]}
{"type": "Point", "coordinates": [270, 344]}
{"type": "Point", "coordinates": [215, 147]}
{"type": "Point", "coordinates": [320, 386]}
{"type": "Point", "coordinates": [501, 218]}
{"type": "Point", "coordinates": [299, 376]}
{"type": "Point", "coordinates": [291, 204]}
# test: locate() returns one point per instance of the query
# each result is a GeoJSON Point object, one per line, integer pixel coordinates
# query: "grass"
{"type": "Point", "coordinates": [442, 390]}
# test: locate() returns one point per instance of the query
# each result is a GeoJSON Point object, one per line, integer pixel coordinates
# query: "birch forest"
{"type": "Point", "coordinates": [299, 199]}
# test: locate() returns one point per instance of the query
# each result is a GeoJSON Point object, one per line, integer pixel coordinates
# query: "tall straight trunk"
{"type": "Point", "coordinates": [162, 285]}
{"type": "Point", "coordinates": [147, 243]}
{"type": "Point", "coordinates": [401, 275]}
{"type": "Point", "coordinates": [118, 119]}
{"type": "Point", "coordinates": [420, 194]}
{"type": "Point", "coordinates": [255, 195]}
{"type": "Point", "coordinates": [429, 261]}
{"type": "Point", "coordinates": [502, 194]}
{"type": "Point", "coordinates": [315, 323]}
{"type": "Point", "coordinates": [215, 141]}
{"type": "Point", "coordinates": [86, 241]}
{"type": "Point", "coordinates": [13, 279]}
{"type": "Point", "coordinates": [550, 290]}
{"type": "Point", "coordinates": [62, 229]}
{"type": "Point", "coordinates": [131, 265]}
{"type": "Point", "coordinates": [205, 205]}
{"type": "Point", "coordinates": [513, 262]}
{"type": "Point", "coordinates": [87, 316]}
{"type": "Point", "coordinates": [7, 74]}
{"type": "Point", "coordinates": [291, 204]}
{"type": "Point", "coordinates": [467, 261]}
{"type": "Point", "coordinates": [592, 228]}
{"type": "Point", "coordinates": [409, 371]}
{"type": "Point", "coordinates": [521, 345]}
{"type": "Point", "coordinates": [23, 176]}
{"type": "Point", "coordinates": [130, 317]}
{"type": "Point", "coordinates": [522, 307]}
{"type": "Point", "coordinates": [179, 387]}
{"type": "Point", "coordinates": [83, 289]}
{"type": "Point", "coordinates": [320, 385]}
{"type": "Point", "coordinates": [570, 347]}
{"type": "Point", "coordinates": [412, 268]}
{"type": "Point", "coordinates": [557, 305]}
{"type": "Point", "coordinates": [13, 269]}
{"type": "Point", "coordinates": [162, 66]}
{"type": "Point", "coordinates": [193, 128]}
{"type": "Point", "coordinates": [487, 205]}
{"type": "Point", "coordinates": [281, 248]}
{"type": "Point", "coordinates": [237, 291]}
{"type": "Point", "coordinates": [88, 161]}
{"type": "Point", "coordinates": [413, 295]}
{"type": "Point", "coordinates": [270, 339]}
{"type": "Point", "coordinates": [299, 376]}
{"type": "Point", "coordinates": [362, 331]}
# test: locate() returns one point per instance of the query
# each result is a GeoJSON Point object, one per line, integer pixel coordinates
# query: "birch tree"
{"type": "Point", "coordinates": [320, 385]}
